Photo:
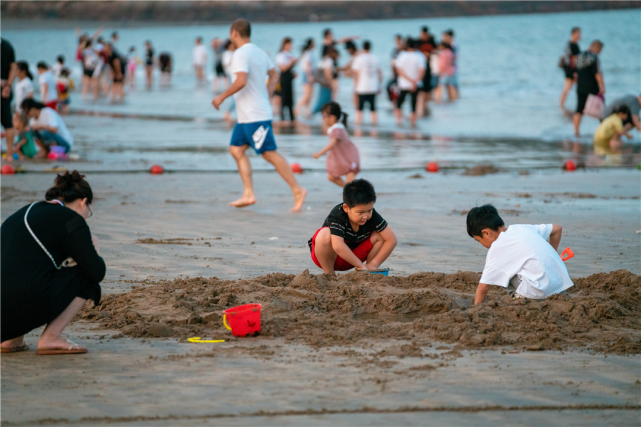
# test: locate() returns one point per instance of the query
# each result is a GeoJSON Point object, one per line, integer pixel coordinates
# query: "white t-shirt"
{"type": "Point", "coordinates": [411, 63]}
{"type": "Point", "coordinates": [283, 58]}
{"type": "Point", "coordinates": [57, 68]}
{"type": "Point", "coordinates": [226, 60]}
{"type": "Point", "coordinates": [327, 63]}
{"type": "Point", "coordinates": [308, 62]}
{"type": "Point", "coordinates": [52, 93]}
{"type": "Point", "coordinates": [523, 249]}
{"type": "Point", "coordinates": [23, 88]}
{"type": "Point", "coordinates": [50, 117]}
{"type": "Point", "coordinates": [252, 101]}
{"type": "Point", "coordinates": [200, 54]}
{"type": "Point", "coordinates": [368, 66]}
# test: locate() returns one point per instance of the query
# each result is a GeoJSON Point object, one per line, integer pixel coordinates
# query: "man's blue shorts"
{"type": "Point", "coordinates": [257, 134]}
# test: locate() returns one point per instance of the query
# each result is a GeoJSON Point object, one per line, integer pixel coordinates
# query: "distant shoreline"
{"type": "Point", "coordinates": [141, 13]}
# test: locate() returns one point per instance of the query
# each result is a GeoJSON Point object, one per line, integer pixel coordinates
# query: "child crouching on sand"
{"type": "Point", "coordinates": [520, 258]}
{"type": "Point", "coordinates": [24, 146]}
{"type": "Point", "coordinates": [353, 233]}
{"type": "Point", "coordinates": [343, 158]}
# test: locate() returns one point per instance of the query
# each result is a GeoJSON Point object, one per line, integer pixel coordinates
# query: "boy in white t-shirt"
{"type": "Point", "coordinates": [368, 78]}
{"type": "Point", "coordinates": [199, 60]}
{"type": "Point", "coordinates": [410, 66]}
{"type": "Point", "coordinates": [250, 69]}
{"type": "Point", "coordinates": [521, 258]}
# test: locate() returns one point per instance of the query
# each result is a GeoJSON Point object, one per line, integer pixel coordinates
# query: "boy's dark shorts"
{"type": "Point", "coordinates": [581, 99]}
{"type": "Point", "coordinates": [5, 113]}
{"type": "Point", "coordinates": [369, 98]}
{"type": "Point", "coordinates": [361, 251]}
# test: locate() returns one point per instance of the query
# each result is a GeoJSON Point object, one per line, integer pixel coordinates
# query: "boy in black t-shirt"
{"type": "Point", "coordinates": [353, 233]}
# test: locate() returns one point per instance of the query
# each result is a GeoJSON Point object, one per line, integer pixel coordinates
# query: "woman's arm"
{"type": "Point", "coordinates": [555, 236]}
{"type": "Point", "coordinates": [328, 147]}
{"type": "Point", "coordinates": [481, 293]}
{"type": "Point", "coordinates": [79, 245]}
{"type": "Point", "coordinates": [45, 89]}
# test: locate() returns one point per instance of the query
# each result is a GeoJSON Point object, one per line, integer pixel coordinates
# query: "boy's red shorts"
{"type": "Point", "coordinates": [361, 251]}
{"type": "Point", "coordinates": [54, 104]}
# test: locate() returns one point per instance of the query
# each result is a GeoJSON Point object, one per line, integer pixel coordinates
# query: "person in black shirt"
{"type": "Point", "coordinates": [568, 62]}
{"type": "Point", "coordinates": [589, 80]}
{"type": "Point", "coordinates": [118, 69]}
{"type": "Point", "coordinates": [51, 266]}
{"type": "Point", "coordinates": [353, 233]}
{"type": "Point", "coordinates": [426, 45]}
{"type": "Point", "coordinates": [149, 64]}
{"type": "Point", "coordinates": [8, 72]}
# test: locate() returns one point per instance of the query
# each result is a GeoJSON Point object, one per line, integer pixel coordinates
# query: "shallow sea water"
{"type": "Point", "coordinates": [508, 114]}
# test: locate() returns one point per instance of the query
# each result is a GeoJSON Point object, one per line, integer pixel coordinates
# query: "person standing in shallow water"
{"type": "Point", "coordinates": [568, 63]}
{"type": "Point", "coordinates": [250, 67]}
{"type": "Point", "coordinates": [51, 266]}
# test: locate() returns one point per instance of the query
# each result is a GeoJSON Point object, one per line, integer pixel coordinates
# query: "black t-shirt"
{"type": "Point", "coordinates": [149, 56]}
{"type": "Point", "coordinates": [587, 67]}
{"type": "Point", "coordinates": [339, 225]}
{"type": "Point", "coordinates": [8, 58]}
{"type": "Point", "coordinates": [112, 59]}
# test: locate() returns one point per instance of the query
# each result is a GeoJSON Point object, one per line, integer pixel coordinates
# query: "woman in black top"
{"type": "Point", "coordinates": [50, 267]}
{"type": "Point", "coordinates": [149, 64]}
{"type": "Point", "coordinates": [286, 62]}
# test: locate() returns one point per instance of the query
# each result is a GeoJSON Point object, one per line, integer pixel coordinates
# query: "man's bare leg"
{"type": "Point", "coordinates": [51, 335]}
{"type": "Point", "coordinates": [359, 118]}
{"type": "Point", "coordinates": [336, 180]}
{"type": "Point", "coordinates": [245, 172]}
{"type": "Point", "coordinates": [399, 117]}
{"type": "Point", "coordinates": [577, 123]}
{"type": "Point", "coordinates": [285, 171]}
{"type": "Point", "coordinates": [374, 117]}
{"type": "Point", "coordinates": [324, 251]}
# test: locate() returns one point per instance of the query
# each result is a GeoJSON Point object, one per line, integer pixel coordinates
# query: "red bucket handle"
{"type": "Point", "coordinates": [567, 254]}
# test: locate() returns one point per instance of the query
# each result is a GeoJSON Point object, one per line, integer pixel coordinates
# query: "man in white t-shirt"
{"type": "Point", "coordinates": [200, 59]}
{"type": "Point", "coordinates": [47, 126]}
{"type": "Point", "coordinates": [410, 67]}
{"type": "Point", "coordinates": [250, 68]}
{"type": "Point", "coordinates": [48, 90]}
{"type": "Point", "coordinates": [521, 258]}
{"type": "Point", "coordinates": [368, 78]}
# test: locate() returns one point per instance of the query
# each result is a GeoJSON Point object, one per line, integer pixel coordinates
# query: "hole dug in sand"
{"type": "Point", "coordinates": [601, 312]}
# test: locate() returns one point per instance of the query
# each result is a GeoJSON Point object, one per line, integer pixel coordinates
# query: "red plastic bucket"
{"type": "Point", "coordinates": [243, 320]}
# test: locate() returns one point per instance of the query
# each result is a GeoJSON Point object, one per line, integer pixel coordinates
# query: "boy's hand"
{"type": "Point", "coordinates": [362, 267]}
{"type": "Point", "coordinates": [372, 266]}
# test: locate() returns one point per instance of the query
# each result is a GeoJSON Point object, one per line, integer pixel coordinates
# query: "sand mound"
{"type": "Point", "coordinates": [602, 312]}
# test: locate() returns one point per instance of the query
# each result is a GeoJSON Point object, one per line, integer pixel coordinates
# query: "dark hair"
{"type": "Point", "coordinates": [482, 217]}
{"type": "Point", "coordinates": [308, 44]}
{"type": "Point", "coordinates": [425, 29]}
{"type": "Point", "coordinates": [65, 72]}
{"type": "Point", "coordinates": [398, 36]}
{"type": "Point", "coordinates": [358, 192]}
{"type": "Point", "coordinates": [30, 103]}
{"type": "Point", "coordinates": [596, 44]}
{"type": "Point", "coordinates": [83, 38]}
{"type": "Point", "coordinates": [575, 29]}
{"type": "Point", "coordinates": [334, 109]}
{"type": "Point", "coordinates": [622, 109]}
{"type": "Point", "coordinates": [114, 34]}
{"type": "Point", "coordinates": [87, 43]}
{"type": "Point", "coordinates": [199, 39]}
{"type": "Point", "coordinates": [327, 31]}
{"type": "Point", "coordinates": [227, 44]}
{"type": "Point", "coordinates": [450, 33]}
{"type": "Point", "coordinates": [367, 45]}
{"type": "Point", "coordinates": [410, 43]}
{"type": "Point", "coordinates": [70, 187]}
{"type": "Point", "coordinates": [24, 66]}
{"type": "Point", "coordinates": [42, 65]}
{"type": "Point", "coordinates": [61, 59]}
{"type": "Point", "coordinates": [284, 42]}
{"type": "Point", "coordinates": [243, 27]}
{"type": "Point", "coordinates": [101, 40]}
{"type": "Point", "coordinates": [350, 45]}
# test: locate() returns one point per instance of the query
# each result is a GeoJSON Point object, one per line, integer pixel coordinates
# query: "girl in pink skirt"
{"type": "Point", "coordinates": [343, 158]}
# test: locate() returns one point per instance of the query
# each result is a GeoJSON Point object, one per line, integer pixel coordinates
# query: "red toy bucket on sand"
{"type": "Point", "coordinates": [243, 320]}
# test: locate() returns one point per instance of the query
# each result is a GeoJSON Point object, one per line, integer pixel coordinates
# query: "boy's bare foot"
{"type": "Point", "coordinates": [299, 199]}
{"type": "Point", "coordinates": [243, 202]}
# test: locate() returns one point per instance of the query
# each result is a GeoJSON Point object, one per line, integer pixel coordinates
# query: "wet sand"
{"type": "Point", "coordinates": [178, 226]}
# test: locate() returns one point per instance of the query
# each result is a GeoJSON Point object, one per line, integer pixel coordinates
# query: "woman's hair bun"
{"type": "Point", "coordinates": [70, 186]}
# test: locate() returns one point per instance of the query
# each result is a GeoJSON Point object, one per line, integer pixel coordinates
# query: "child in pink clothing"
{"type": "Point", "coordinates": [343, 158]}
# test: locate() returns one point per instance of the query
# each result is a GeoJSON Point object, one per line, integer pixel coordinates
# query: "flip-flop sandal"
{"type": "Point", "coordinates": [62, 350]}
{"type": "Point", "coordinates": [23, 347]}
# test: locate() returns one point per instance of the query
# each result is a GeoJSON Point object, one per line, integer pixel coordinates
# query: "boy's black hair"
{"type": "Point", "coordinates": [622, 109]}
{"type": "Point", "coordinates": [42, 65]}
{"type": "Point", "coordinates": [482, 217]}
{"type": "Point", "coordinates": [61, 59]}
{"type": "Point", "coordinates": [358, 192]}
{"type": "Point", "coordinates": [367, 45]}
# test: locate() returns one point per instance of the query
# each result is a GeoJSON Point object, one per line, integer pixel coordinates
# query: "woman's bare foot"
{"type": "Point", "coordinates": [299, 199]}
{"type": "Point", "coordinates": [58, 343]}
{"type": "Point", "coordinates": [13, 343]}
{"type": "Point", "coordinates": [243, 202]}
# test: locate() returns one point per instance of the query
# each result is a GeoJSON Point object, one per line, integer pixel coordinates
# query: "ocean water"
{"type": "Point", "coordinates": [508, 75]}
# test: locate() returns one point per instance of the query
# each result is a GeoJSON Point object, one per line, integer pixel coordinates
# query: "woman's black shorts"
{"type": "Point", "coordinates": [401, 99]}
{"type": "Point", "coordinates": [369, 98]}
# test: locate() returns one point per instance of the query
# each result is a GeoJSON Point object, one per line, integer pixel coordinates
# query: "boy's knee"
{"type": "Point", "coordinates": [324, 237]}
{"type": "Point", "coordinates": [375, 237]}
